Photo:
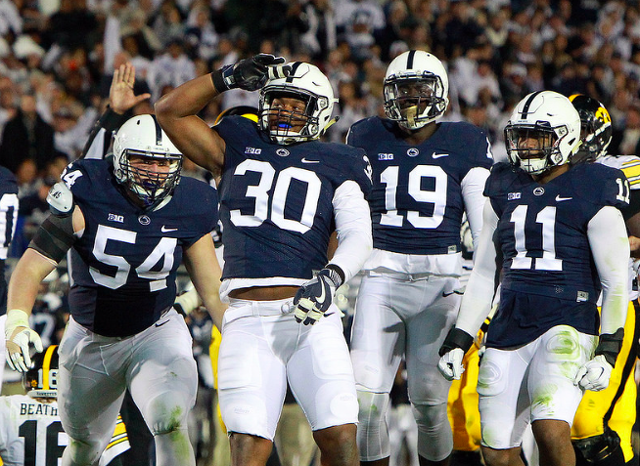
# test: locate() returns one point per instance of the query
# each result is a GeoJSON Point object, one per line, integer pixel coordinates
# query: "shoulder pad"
{"type": "Point", "coordinates": [60, 200]}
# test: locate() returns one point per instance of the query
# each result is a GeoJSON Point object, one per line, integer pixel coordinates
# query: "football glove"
{"type": "Point", "coordinates": [18, 335]}
{"type": "Point", "coordinates": [450, 364]}
{"type": "Point", "coordinates": [454, 346]}
{"type": "Point", "coordinates": [315, 296]}
{"type": "Point", "coordinates": [187, 302]}
{"type": "Point", "coordinates": [594, 375]}
{"type": "Point", "coordinates": [250, 74]}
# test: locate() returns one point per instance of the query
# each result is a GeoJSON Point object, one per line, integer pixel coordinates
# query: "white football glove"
{"type": "Point", "coordinates": [450, 364]}
{"type": "Point", "coordinates": [594, 375]}
{"type": "Point", "coordinates": [18, 335]}
{"type": "Point", "coordinates": [315, 296]}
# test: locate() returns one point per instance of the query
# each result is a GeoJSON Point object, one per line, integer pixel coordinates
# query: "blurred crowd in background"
{"type": "Point", "coordinates": [57, 59]}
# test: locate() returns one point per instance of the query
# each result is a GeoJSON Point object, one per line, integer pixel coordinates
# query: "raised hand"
{"type": "Point", "coordinates": [121, 96]}
{"type": "Point", "coordinates": [250, 74]}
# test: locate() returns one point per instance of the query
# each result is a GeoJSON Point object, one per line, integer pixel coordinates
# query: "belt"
{"type": "Point", "coordinates": [409, 277]}
{"type": "Point", "coordinates": [239, 308]}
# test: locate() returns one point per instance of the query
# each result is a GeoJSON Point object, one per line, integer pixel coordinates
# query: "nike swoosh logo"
{"type": "Point", "coordinates": [560, 199]}
{"type": "Point", "coordinates": [322, 295]}
{"type": "Point", "coordinates": [436, 156]}
{"type": "Point", "coordinates": [444, 294]}
{"type": "Point", "coordinates": [305, 160]}
{"type": "Point", "coordinates": [160, 324]}
{"type": "Point", "coordinates": [167, 230]}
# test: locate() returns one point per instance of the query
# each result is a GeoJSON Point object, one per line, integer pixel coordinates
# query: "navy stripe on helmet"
{"type": "Point", "coordinates": [410, 59]}
{"type": "Point", "coordinates": [158, 132]}
{"type": "Point", "coordinates": [527, 104]}
{"type": "Point", "coordinates": [294, 67]}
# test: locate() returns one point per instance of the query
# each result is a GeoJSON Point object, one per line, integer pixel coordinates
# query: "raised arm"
{"type": "Point", "coordinates": [177, 111]}
{"type": "Point", "coordinates": [121, 101]}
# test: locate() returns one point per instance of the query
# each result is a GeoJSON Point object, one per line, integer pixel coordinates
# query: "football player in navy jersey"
{"type": "Point", "coordinates": [8, 219]}
{"type": "Point", "coordinates": [282, 195]}
{"type": "Point", "coordinates": [560, 239]}
{"type": "Point", "coordinates": [426, 176]}
{"type": "Point", "coordinates": [129, 220]}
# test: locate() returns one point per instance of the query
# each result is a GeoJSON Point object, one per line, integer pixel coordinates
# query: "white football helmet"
{"type": "Point", "coordinates": [416, 89]}
{"type": "Point", "coordinates": [307, 83]}
{"type": "Point", "coordinates": [141, 135]}
{"type": "Point", "coordinates": [543, 132]}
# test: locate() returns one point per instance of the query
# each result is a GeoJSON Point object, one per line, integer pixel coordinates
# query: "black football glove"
{"type": "Point", "coordinates": [250, 74]}
{"type": "Point", "coordinates": [315, 296]}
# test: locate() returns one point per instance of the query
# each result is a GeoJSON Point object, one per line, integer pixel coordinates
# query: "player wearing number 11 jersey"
{"type": "Point", "coordinates": [282, 195]}
{"type": "Point", "coordinates": [426, 176]}
{"type": "Point", "coordinates": [555, 237]}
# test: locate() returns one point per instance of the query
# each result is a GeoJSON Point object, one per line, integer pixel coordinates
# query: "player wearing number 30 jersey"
{"type": "Point", "coordinates": [426, 176]}
{"type": "Point", "coordinates": [282, 194]}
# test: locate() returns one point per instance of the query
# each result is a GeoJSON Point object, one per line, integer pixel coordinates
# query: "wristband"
{"type": "Point", "coordinates": [223, 79]}
{"type": "Point", "coordinates": [15, 318]}
{"type": "Point", "coordinates": [456, 338]}
{"type": "Point", "coordinates": [609, 346]}
{"type": "Point", "coordinates": [111, 121]}
{"type": "Point", "coordinates": [335, 274]}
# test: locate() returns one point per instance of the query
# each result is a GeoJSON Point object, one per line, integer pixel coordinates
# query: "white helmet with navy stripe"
{"type": "Point", "coordinates": [416, 89]}
{"type": "Point", "coordinates": [307, 83]}
{"type": "Point", "coordinates": [142, 136]}
{"type": "Point", "coordinates": [543, 132]}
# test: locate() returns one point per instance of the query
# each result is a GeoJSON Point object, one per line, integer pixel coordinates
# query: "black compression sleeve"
{"type": "Point", "coordinates": [54, 237]}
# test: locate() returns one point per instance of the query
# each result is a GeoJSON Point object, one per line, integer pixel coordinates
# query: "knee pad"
{"type": "Point", "coordinates": [373, 431]}
{"type": "Point", "coordinates": [166, 413]}
{"type": "Point", "coordinates": [435, 440]}
{"type": "Point", "coordinates": [82, 453]}
{"type": "Point", "coordinates": [600, 450]}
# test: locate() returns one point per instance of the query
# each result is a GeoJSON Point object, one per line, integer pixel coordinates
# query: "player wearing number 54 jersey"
{"type": "Point", "coordinates": [559, 239]}
{"type": "Point", "coordinates": [129, 220]}
{"type": "Point", "coordinates": [283, 193]}
{"type": "Point", "coordinates": [426, 176]}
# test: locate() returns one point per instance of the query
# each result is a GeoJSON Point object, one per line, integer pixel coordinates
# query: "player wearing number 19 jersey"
{"type": "Point", "coordinates": [129, 221]}
{"type": "Point", "coordinates": [426, 176]}
{"type": "Point", "coordinates": [282, 195]}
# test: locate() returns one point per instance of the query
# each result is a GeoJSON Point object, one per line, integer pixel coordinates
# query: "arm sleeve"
{"type": "Point", "coordinates": [472, 188]}
{"type": "Point", "coordinates": [353, 225]}
{"type": "Point", "coordinates": [476, 301]}
{"type": "Point", "coordinates": [610, 248]}
{"type": "Point", "coordinates": [100, 136]}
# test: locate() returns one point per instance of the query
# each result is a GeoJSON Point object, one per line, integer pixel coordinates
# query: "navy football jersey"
{"type": "Point", "coordinates": [416, 201]}
{"type": "Point", "coordinates": [124, 265]}
{"type": "Point", "coordinates": [276, 201]}
{"type": "Point", "coordinates": [8, 220]}
{"type": "Point", "coordinates": [542, 235]}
